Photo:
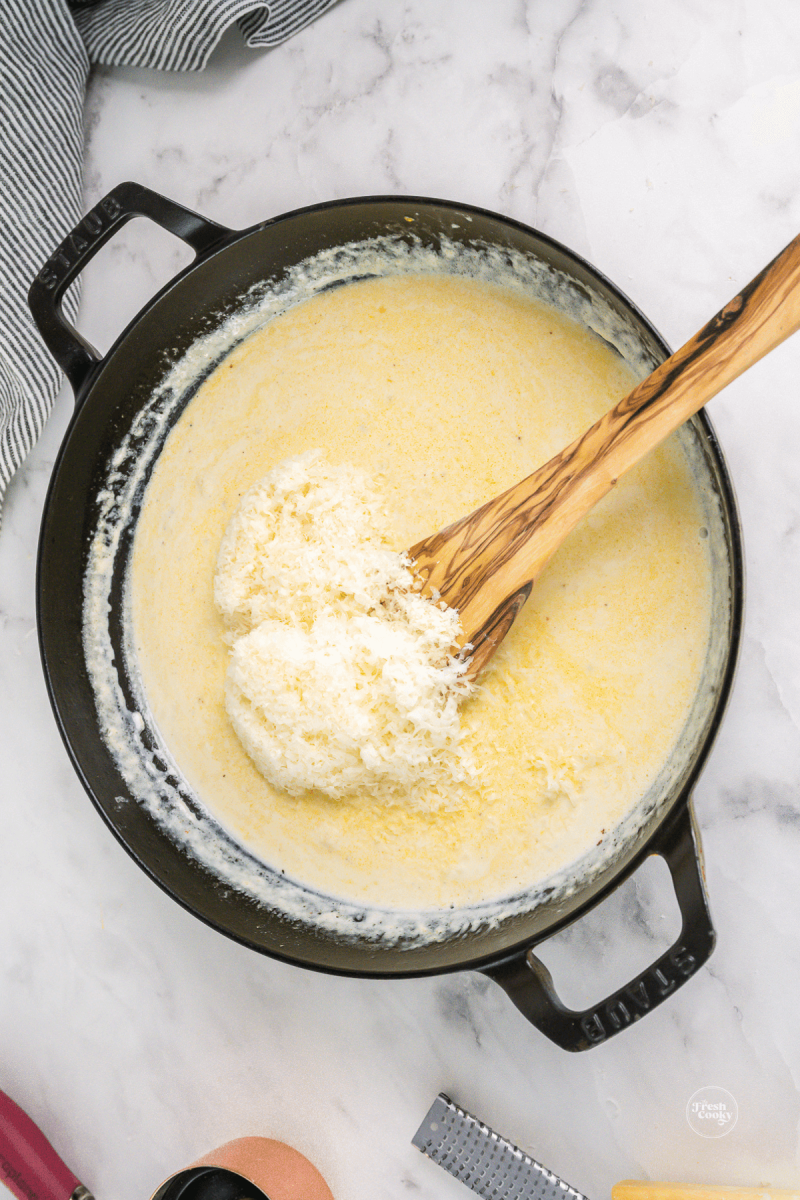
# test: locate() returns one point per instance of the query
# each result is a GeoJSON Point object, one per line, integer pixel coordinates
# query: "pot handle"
{"type": "Point", "coordinates": [530, 985]}
{"type": "Point", "coordinates": [76, 357]}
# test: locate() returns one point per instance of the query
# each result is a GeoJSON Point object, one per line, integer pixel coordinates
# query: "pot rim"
{"type": "Point", "coordinates": [91, 378]}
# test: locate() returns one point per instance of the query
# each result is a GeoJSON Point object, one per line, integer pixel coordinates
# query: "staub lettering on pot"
{"type": "Point", "coordinates": [640, 996]}
{"type": "Point", "coordinates": [97, 221]}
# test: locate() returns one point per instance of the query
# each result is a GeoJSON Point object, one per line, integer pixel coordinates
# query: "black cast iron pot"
{"type": "Point", "coordinates": [111, 390]}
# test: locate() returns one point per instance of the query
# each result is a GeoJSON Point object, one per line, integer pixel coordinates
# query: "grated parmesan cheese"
{"type": "Point", "coordinates": [342, 679]}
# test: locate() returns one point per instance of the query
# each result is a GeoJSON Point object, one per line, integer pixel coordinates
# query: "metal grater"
{"type": "Point", "coordinates": [489, 1164]}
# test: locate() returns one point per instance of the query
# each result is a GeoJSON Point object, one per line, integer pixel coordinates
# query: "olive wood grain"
{"type": "Point", "coordinates": [484, 565]}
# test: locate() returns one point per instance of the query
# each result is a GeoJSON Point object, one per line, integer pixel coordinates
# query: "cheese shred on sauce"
{"type": "Point", "coordinates": [342, 679]}
{"type": "Point", "coordinates": [576, 716]}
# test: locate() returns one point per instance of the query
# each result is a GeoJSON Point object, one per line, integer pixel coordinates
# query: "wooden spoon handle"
{"type": "Point", "coordinates": [484, 564]}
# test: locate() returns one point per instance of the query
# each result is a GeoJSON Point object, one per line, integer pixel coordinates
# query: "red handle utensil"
{"type": "Point", "coordinates": [29, 1166]}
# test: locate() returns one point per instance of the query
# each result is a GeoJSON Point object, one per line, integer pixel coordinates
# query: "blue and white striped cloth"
{"type": "Point", "coordinates": [46, 48]}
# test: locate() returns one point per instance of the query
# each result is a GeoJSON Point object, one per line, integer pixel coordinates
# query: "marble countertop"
{"type": "Point", "coordinates": [659, 141]}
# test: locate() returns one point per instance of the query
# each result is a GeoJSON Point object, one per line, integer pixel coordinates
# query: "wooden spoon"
{"type": "Point", "coordinates": [485, 564]}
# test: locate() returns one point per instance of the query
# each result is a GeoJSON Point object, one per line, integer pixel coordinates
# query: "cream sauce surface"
{"type": "Point", "coordinates": [446, 391]}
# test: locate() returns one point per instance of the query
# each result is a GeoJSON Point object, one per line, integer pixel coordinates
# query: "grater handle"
{"type": "Point", "coordinates": [530, 985]}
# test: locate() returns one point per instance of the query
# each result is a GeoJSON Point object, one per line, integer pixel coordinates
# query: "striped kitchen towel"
{"type": "Point", "coordinates": [46, 47]}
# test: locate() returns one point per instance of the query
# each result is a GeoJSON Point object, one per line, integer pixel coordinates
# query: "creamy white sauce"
{"type": "Point", "coordinates": [144, 759]}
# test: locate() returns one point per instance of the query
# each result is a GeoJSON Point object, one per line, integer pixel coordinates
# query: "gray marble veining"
{"type": "Point", "coordinates": [661, 142]}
